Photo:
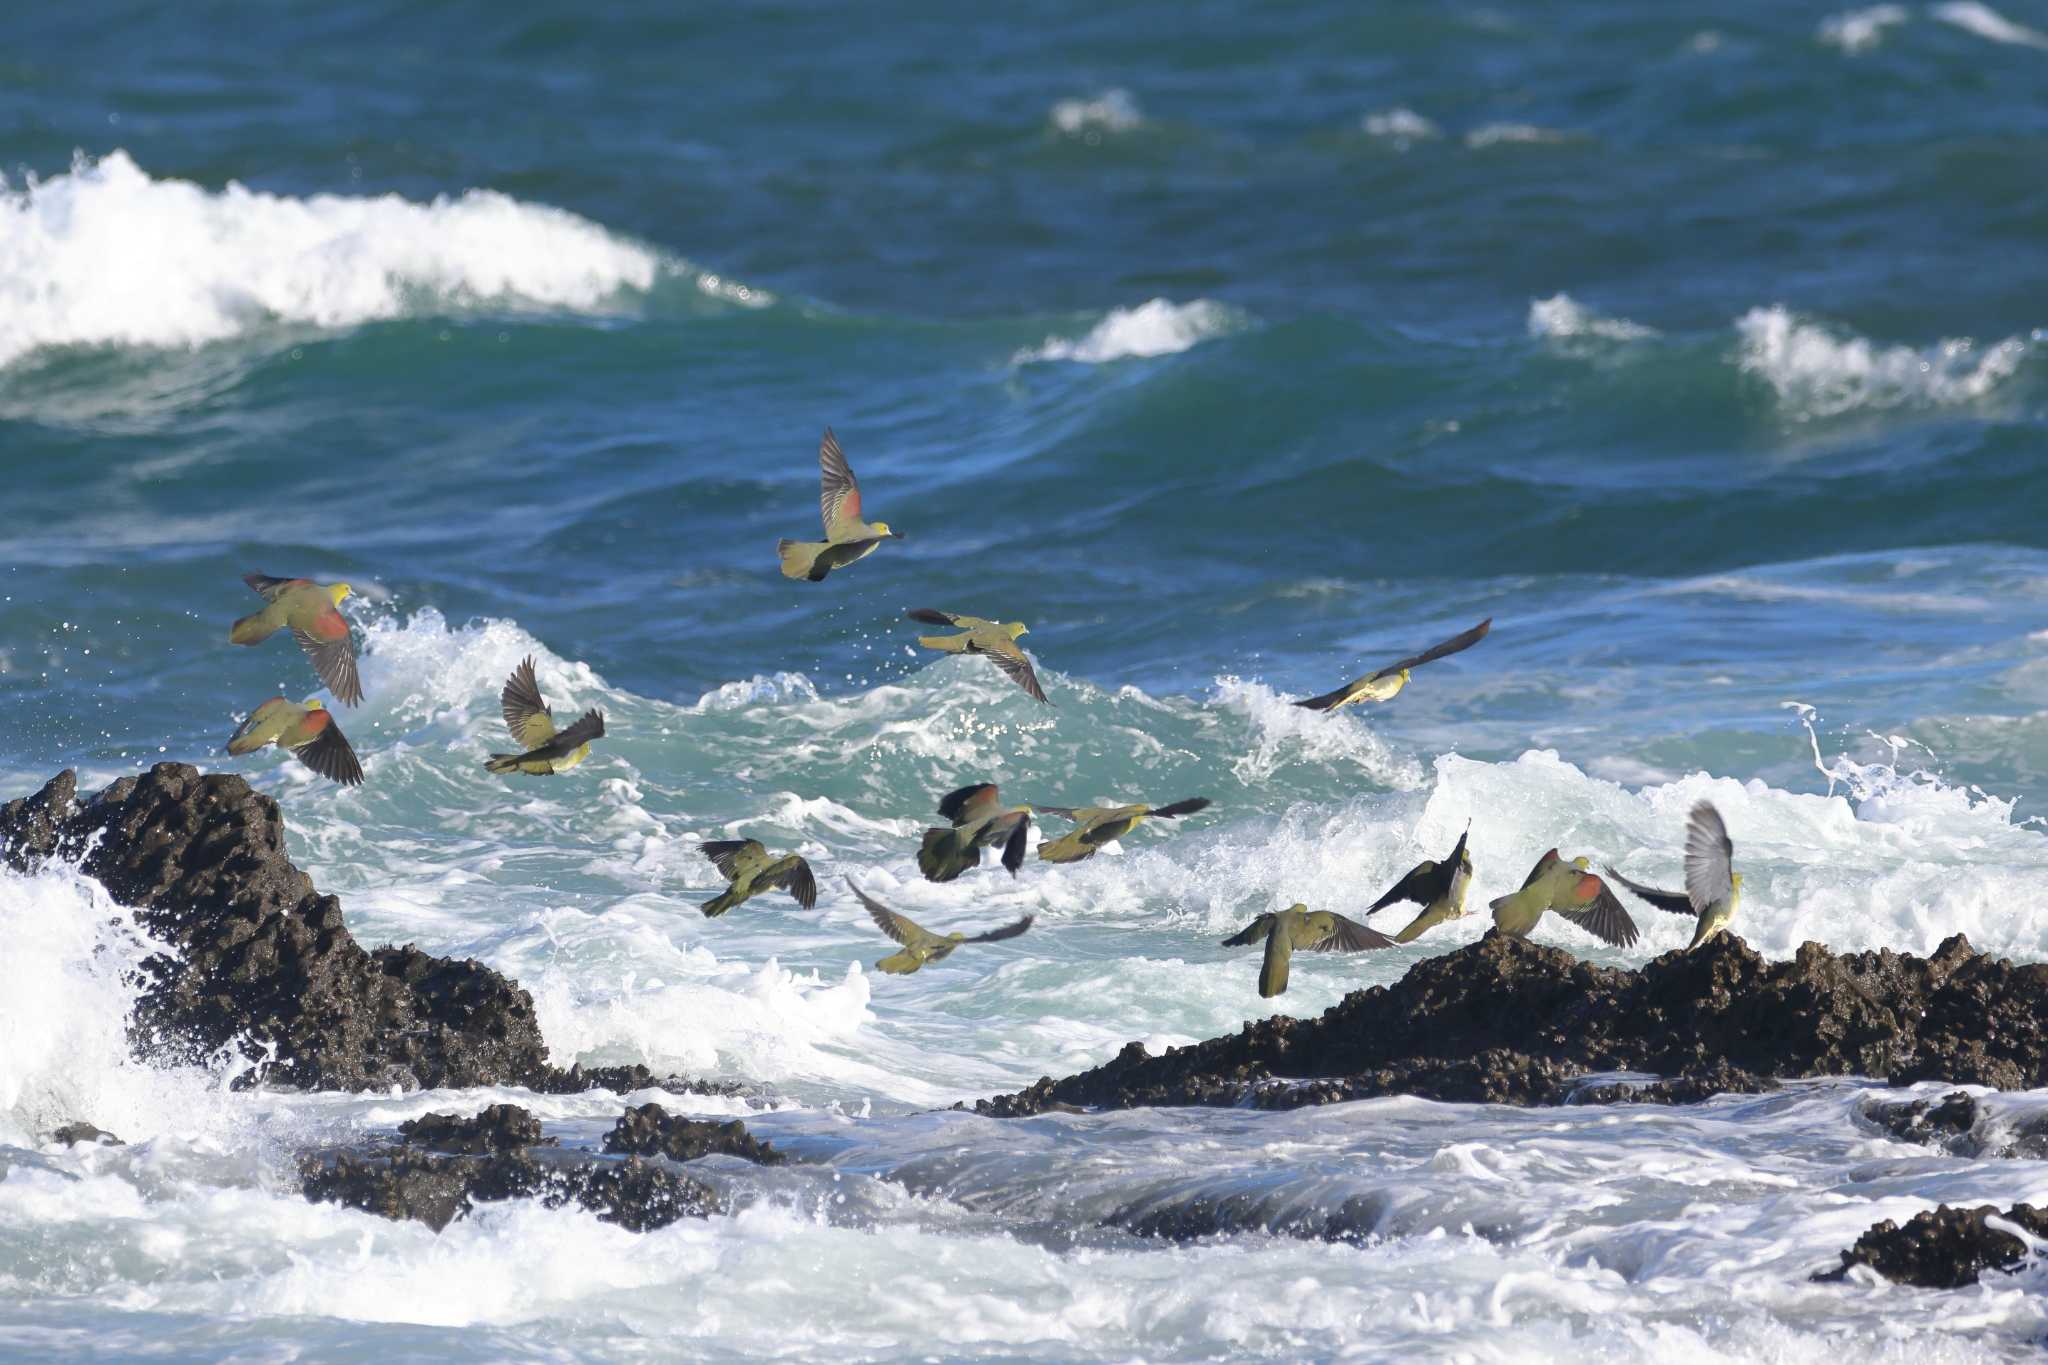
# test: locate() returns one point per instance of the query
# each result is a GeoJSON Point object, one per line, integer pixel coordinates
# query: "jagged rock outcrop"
{"type": "Point", "coordinates": [436, 1189]}
{"type": "Point", "coordinates": [650, 1130]}
{"type": "Point", "coordinates": [1945, 1247]}
{"type": "Point", "coordinates": [258, 961]}
{"type": "Point", "coordinates": [1957, 1125]}
{"type": "Point", "coordinates": [1508, 1021]}
{"type": "Point", "coordinates": [499, 1128]}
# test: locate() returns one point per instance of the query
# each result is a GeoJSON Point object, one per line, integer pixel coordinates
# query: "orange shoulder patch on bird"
{"type": "Point", "coordinates": [331, 624]}
{"type": "Point", "coordinates": [1586, 887]}
{"type": "Point", "coordinates": [318, 719]}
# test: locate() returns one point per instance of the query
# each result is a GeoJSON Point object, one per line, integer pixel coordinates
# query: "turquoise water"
{"type": "Point", "coordinates": [1238, 354]}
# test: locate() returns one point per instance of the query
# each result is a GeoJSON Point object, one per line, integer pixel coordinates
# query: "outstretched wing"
{"type": "Point", "coordinates": [1007, 931]}
{"type": "Point", "coordinates": [1330, 700]}
{"type": "Point", "coordinates": [1255, 932]}
{"type": "Point", "coordinates": [965, 805]}
{"type": "Point", "coordinates": [1709, 857]}
{"type": "Point", "coordinates": [838, 494]}
{"type": "Point", "coordinates": [1677, 902]}
{"type": "Point", "coordinates": [1419, 886]}
{"type": "Point", "coordinates": [797, 879]}
{"type": "Point", "coordinates": [272, 588]}
{"type": "Point", "coordinates": [328, 754]}
{"type": "Point", "coordinates": [1180, 808]}
{"type": "Point", "coordinates": [931, 616]}
{"type": "Point", "coordinates": [526, 715]}
{"type": "Point", "coordinates": [899, 927]}
{"type": "Point", "coordinates": [1462, 640]}
{"type": "Point", "coordinates": [1586, 902]}
{"type": "Point", "coordinates": [1013, 849]}
{"type": "Point", "coordinates": [725, 854]}
{"type": "Point", "coordinates": [1330, 932]}
{"type": "Point", "coordinates": [1011, 660]}
{"type": "Point", "coordinates": [1543, 868]}
{"type": "Point", "coordinates": [590, 726]}
{"type": "Point", "coordinates": [333, 654]}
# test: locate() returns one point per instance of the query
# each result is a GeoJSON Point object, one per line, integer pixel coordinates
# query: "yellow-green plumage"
{"type": "Point", "coordinates": [1439, 888]}
{"type": "Point", "coordinates": [847, 537]}
{"type": "Point", "coordinates": [747, 866]}
{"type": "Point", "coordinates": [308, 730]}
{"type": "Point", "coordinates": [979, 820]}
{"type": "Point", "coordinates": [1098, 826]}
{"type": "Point", "coordinates": [1297, 928]}
{"type": "Point", "coordinates": [543, 750]}
{"type": "Point", "coordinates": [311, 611]}
{"type": "Point", "coordinates": [1386, 683]}
{"type": "Point", "coordinates": [1713, 889]}
{"type": "Point", "coordinates": [994, 640]}
{"type": "Point", "coordinates": [1570, 890]}
{"type": "Point", "coordinates": [920, 945]}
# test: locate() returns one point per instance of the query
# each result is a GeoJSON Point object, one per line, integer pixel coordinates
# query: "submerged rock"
{"type": "Point", "coordinates": [1944, 1248]}
{"type": "Point", "coordinates": [436, 1189]}
{"type": "Point", "coordinates": [500, 1128]}
{"type": "Point", "coordinates": [1508, 1021]}
{"type": "Point", "coordinates": [259, 962]}
{"type": "Point", "coordinates": [651, 1130]}
{"type": "Point", "coordinates": [71, 1134]}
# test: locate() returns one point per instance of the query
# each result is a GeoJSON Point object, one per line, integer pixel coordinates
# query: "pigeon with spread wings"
{"type": "Point", "coordinates": [308, 730]}
{"type": "Point", "coordinates": [979, 820]}
{"type": "Point", "coordinates": [1439, 888]}
{"type": "Point", "coordinates": [312, 611]}
{"type": "Point", "coordinates": [1097, 826]}
{"type": "Point", "coordinates": [1309, 931]}
{"type": "Point", "coordinates": [1712, 887]}
{"type": "Point", "coordinates": [995, 640]}
{"type": "Point", "coordinates": [847, 537]}
{"type": "Point", "coordinates": [746, 865]}
{"type": "Point", "coordinates": [920, 945]}
{"type": "Point", "coordinates": [1382, 684]}
{"type": "Point", "coordinates": [1570, 890]}
{"type": "Point", "coordinates": [544, 751]}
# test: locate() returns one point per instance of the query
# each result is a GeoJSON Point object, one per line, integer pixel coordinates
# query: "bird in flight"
{"type": "Point", "coordinates": [1382, 684]}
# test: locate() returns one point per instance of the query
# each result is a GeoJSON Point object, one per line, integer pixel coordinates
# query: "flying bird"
{"type": "Point", "coordinates": [1383, 684]}
{"type": "Point", "coordinates": [1712, 887]}
{"type": "Point", "coordinates": [1298, 927]}
{"type": "Point", "coordinates": [996, 640]}
{"type": "Point", "coordinates": [533, 727]}
{"type": "Point", "coordinates": [309, 731]}
{"type": "Point", "coordinates": [979, 820]}
{"type": "Point", "coordinates": [847, 537]}
{"type": "Point", "coordinates": [312, 611]}
{"type": "Point", "coordinates": [1095, 826]}
{"type": "Point", "coordinates": [920, 945]}
{"type": "Point", "coordinates": [1572, 891]}
{"type": "Point", "coordinates": [746, 865]}
{"type": "Point", "coordinates": [1439, 888]}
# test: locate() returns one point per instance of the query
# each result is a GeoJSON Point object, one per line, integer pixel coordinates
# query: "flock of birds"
{"type": "Point", "coordinates": [976, 815]}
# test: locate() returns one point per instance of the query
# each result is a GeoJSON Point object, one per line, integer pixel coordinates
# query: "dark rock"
{"type": "Point", "coordinates": [437, 1189]}
{"type": "Point", "coordinates": [624, 1080]}
{"type": "Point", "coordinates": [71, 1134]}
{"type": "Point", "coordinates": [1508, 1021]}
{"type": "Point", "coordinates": [650, 1130]}
{"type": "Point", "coordinates": [260, 963]}
{"type": "Point", "coordinates": [1944, 1248]}
{"type": "Point", "coordinates": [500, 1128]}
{"type": "Point", "coordinates": [1948, 1123]}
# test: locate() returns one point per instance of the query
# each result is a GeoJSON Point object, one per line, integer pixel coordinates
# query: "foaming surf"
{"type": "Point", "coordinates": [1817, 373]}
{"type": "Point", "coordinates": [1157, 327]}
{"type": "Point", "coordinates": [1561, 317]}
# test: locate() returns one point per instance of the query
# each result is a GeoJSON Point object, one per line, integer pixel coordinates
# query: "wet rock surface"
{"type": "Point", "coordinates": [650, 1130]}
{"type": "Point", "coordinates": [500, 1128]}
{"type": "Point", "coordinates": [1945, 1248]}
{"type": "Point", "coordinates": [72, 1134]}
{"type": "Point", "coordinates": [436, 1188]}
{"type": "Point", "coordinates": [1508, 1021]}
{"type": "Point", "coordinates": [257, 962]}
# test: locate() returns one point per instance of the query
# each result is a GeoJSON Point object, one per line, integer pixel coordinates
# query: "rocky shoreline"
{"type": "Point", "coordinates": [257, 965]}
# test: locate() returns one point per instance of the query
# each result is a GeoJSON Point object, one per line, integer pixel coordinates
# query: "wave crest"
{"type": "Point", "coordinates": [1818, 374]}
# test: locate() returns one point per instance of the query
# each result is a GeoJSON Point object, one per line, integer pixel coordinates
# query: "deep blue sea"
{"type": "Point", "coordinates": [1239, 350]}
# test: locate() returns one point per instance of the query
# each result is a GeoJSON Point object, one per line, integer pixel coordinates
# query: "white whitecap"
{"type": "Point", "coordinates": [1158, 327]}
{"type": "Point", "coordinates": [1817, 373]}
{"type": "Point", "coordinates": [1561, 316]}
{"type": "Point", "coordinates": [1401, 126]}
{"type": "Point", "coordinates": [1525, 134]}
{"type": "Point", "coordinates": [1112, 111]}
{"type": "Point", "coordinates": [1989, 24]}
{"type": "Point", "coordinates": [1859, 30]}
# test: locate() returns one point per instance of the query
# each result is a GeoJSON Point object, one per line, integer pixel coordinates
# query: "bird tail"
{"type": "Point", "coordinates": [800, 558]}
{"type": "Point", "coordinates": [899, 964]}
{"type": "Point", "coordinates": [1514, 918]}
{"type": "Point", "coordinates": [1273, 971]}
{"type": "Point", "coordinates": [502, 763]}
{"type": "Point", "coordinates": [719, 904]}
{"type": "Point", "coordinates": [251, 630]}
{"type": "Point", "coordinates": [940, 858]}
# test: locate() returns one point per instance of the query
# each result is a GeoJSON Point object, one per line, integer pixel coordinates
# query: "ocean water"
{"type": "Point", "coordinates": [1238, 353]}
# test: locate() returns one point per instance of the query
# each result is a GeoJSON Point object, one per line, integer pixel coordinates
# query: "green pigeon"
{"type": "Point", "coordinates": [847, 537]}
{"type": "Point", "coordinates": [1439, 888]}
{"type": "Point", "coordinates": [545, 752]}
{"type": "Point", "coordinates": [1095, 826]}
{"type": "Point", "coordinates": [995, 640]}
{"type": "Point", "coordinates": [308, 730]}
{"type": "Point", "coordinates": [979, 820]}
{"type": "Point", "coordinates": [745, 863]}
{"type": "Point", "coordinates": [312, 611]}
{"type": "Point", "coordinates": [1712, 887]}
{"type": "Point", "coordinates": [1382, 684]}
{"type": "Point", "coordinates": [1571, 890]}
{"type": "Point", "coordinates": [1310, 931]}
{"type": "Point", "coordinates": [920, 945]}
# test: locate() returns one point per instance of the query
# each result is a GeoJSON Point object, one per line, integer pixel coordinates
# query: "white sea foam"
{"type": "Point", "coordinates": [1816, 373]}
{"type": "Point", "coordinates": [1517, 134]}
{"type": "Point", "coordinates": [1561, 316]}
{"type": "Point", "coordinates": [107, 255]}
{"type": "Point", "coordinates": [1158, 327]}
{"type": "Point", "coordinates": [1112, 111]}
{"type": "Point", "coordinates": [1988, 23]}
{"type": "Point", "coordinates": [1400, 126]}
{"type": "Point", "coordinates": [1860, 30]}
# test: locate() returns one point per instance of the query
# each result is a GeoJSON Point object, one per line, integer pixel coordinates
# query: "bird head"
{"type": "Point", "coordinates": [1016, 628]}
{"type": "Point", "coordinates": [883, 527]}
{"type": "Point", "coordinates": [338, 591]}
{"type": "Point", "coordinates": [315, 704]}
{"type": "Point", "coordinates": [1404, 675]}
{"type": "Point", "coordinates": [1583, 863]}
